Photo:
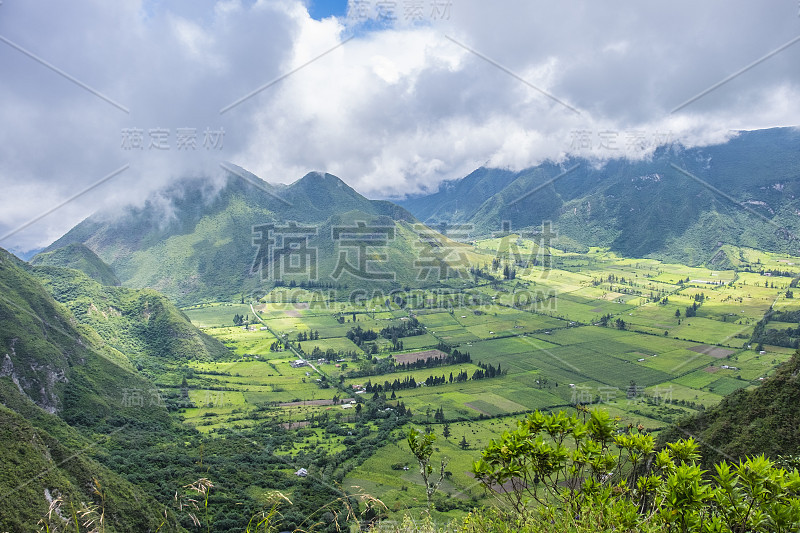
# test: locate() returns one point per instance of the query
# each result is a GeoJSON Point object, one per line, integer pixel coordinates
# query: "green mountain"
{"type": "Point", "coordinates": [749, 422]}
{"type": "Point", "coordinates": [79, 257]}
{"type": "Point", "coordinates": [458, 200]}
{"type": "Point", "coordinates": [143, 324]}
{"type": "Point", "coordinates": [682, 204]}
{"type": "Point", "coordinates": [54, 372]}
{"type": "Point", "coordinates": [204, 244]}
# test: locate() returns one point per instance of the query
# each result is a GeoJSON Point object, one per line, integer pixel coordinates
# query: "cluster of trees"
{"type": "Point", "coordinates": [481, 272]}
{"type": "Point", "coordinates": [308, 336]}
{"type": "Point", "coordinates": [406, 328]}
{"type": "Point", "coordinates": [389, 366]}
{"type": "Point", "coordinates": [606, 320]}
{"type": "Point", "coordinates": [241, 320]}
{"type": "Point", "coordinates": [787, 337]}
{"type": "Point", "coordinates": [509, 272]}
{"type": "Point", "coordinates": [770, 272]}
{"type": "Point", "coordinates": [330, 354]}
{"type": "Point", "coordinates": [359, 335]}
{"type": "Point", "coordinates": [488, 371]}
{"type": "Point", "coordinates": [432, 381]}
{"type": "Point", "coordinates": [454, 358]}
{"type": "Point", "coordinates": [408, 383]}
{"type": "Point", "coordinates": [484, 372]}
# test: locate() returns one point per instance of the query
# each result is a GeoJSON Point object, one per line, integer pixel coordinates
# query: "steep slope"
{"type": "Point", "coordinates": [44, 459]}
{"type": "Point", "coordinates": [140, 323]}
{"type": "Point", "coordinates": [51, 365]}
{"type": "Point", "coordinates": [458, 200]}
{"type": "Point", "coordinates": [79, 257]}
{"type": "Point", "coordinates": [681, 204]}
{"type": "Point", "coordinates": [204, 244]}
{"type": "Point", "coordinates": [750, 422]}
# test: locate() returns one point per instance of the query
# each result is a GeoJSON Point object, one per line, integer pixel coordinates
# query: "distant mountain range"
{"type": "Point", "coordinates": [73, 341]}
{"type": "Point", "coordinates": [197, 242]}
{"type": "Point", "coordinates": [682, 203]}
{"type": "Point", "coordinates": [194, 243]}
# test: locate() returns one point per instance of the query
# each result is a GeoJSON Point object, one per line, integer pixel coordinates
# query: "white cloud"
{"type": "Point", "coordinates": [393, 111]}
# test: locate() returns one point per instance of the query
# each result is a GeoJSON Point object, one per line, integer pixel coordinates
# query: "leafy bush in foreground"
{"type": "Point", "coordinates": [568, 473]}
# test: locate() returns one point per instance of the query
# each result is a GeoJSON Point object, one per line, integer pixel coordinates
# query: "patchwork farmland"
{"type": "Point", "coordinates": [648, 341]}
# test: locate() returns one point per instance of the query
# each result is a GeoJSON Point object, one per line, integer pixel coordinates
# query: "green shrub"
{"type": "Point", "coordinates": [583, 473]}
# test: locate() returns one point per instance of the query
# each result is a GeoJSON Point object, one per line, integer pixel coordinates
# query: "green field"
{"type": "Point", "coordinates": [595, 329]}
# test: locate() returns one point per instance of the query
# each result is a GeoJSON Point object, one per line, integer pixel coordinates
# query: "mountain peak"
{"type": "Point", "coordinates": [320, 188]}
{"type": "Point", "coordinates": [318, 177]}
{"type": "Point", "coordinates": [80, 257]}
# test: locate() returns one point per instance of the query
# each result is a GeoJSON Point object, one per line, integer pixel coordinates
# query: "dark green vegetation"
{"type": "Point", "coordinates": [200, 247]}
{"type": "Point", "coordinates": [143, 324]}
{"type": "Point", "coordinates": [79, 257]}
{"type": "Point", "coordinates": [644, 208]}
{"type": "Point", "coordinates": [251, 420]}
{"type": "Point", "coordinates": [554, 353]}
{"type": "Point", "coordinates": [114, 402]}
{"type": "Point", "coordinates": [590, 475]}
{"type": "Point", "coordinates": [52, 365]}
{"type": "Point", "coordinates": [83, 433]}
{"type": "Point", "coordinates": [750, 422]}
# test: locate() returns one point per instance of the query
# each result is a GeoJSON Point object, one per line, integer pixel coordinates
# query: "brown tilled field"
{"type": "Point", "coordinates": [416, 356]}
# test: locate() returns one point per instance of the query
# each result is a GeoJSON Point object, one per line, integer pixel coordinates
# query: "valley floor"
{"type": "Point", "coordinates": [593, 329]}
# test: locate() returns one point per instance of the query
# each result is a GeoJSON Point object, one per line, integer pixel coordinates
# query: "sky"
{"type": "Point", "coordinates": [104, 103]}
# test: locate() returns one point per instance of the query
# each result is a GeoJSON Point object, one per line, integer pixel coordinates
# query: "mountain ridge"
{"type": "Point", "coordinates": [198, 241]}
{"type": "Point", "coordinates": [667, 206]}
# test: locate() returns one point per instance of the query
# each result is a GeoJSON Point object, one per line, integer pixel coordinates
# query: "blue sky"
{"type": "Point", "coordinates": [393, 106]}
{"type": "Point", "coordinates": [320, 9]}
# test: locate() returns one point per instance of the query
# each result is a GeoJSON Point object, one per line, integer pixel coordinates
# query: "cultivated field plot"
{"type": "Point", "coordinates": [649, 364]}
{"type": "Point", "coordinates": [413, 357]}
{"type": "Point", "coordinates": [216, 315]}
{"type": "Point", "coordinates": [419, 341]}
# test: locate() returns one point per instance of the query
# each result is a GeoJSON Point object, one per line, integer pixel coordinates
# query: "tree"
{"type": "Point", "coordinates": [677, 313]}
{"type": "Point", "coordinates": [446, 431]}
{"type": "Point", "coordinates": [592, 473]}
{"type": "Point", "coordinates": [464, 444]}
{"type": "Point", "coordinates": [422, 448]}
